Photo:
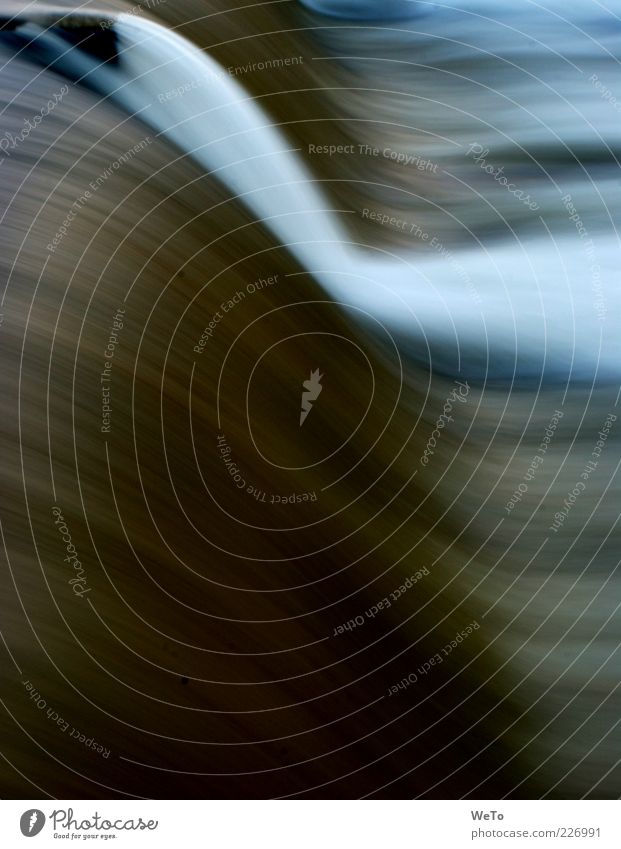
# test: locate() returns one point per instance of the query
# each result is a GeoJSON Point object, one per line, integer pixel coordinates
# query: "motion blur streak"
{"type": "Point", "coordinates": [215, 253]}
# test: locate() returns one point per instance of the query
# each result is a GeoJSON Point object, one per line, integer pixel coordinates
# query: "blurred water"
{"type": "Point", "coordinates": [505, 289]}
{"type": "Point", "coordinates": [365, 11]}
{"type": "Point", "coordinates": [510, 294]}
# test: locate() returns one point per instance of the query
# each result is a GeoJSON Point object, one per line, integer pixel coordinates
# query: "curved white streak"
{"type": "Point", "coordinates": [509, 303]}
{"type": "Point", "coordinates": [219, 124]}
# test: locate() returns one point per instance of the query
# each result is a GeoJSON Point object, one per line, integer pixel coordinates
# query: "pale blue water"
{"type": "Point", "coordinates": [515, 78]}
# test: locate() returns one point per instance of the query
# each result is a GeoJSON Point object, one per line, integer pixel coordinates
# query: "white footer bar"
{"type": "Point", "coordinates": [312, 824]}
